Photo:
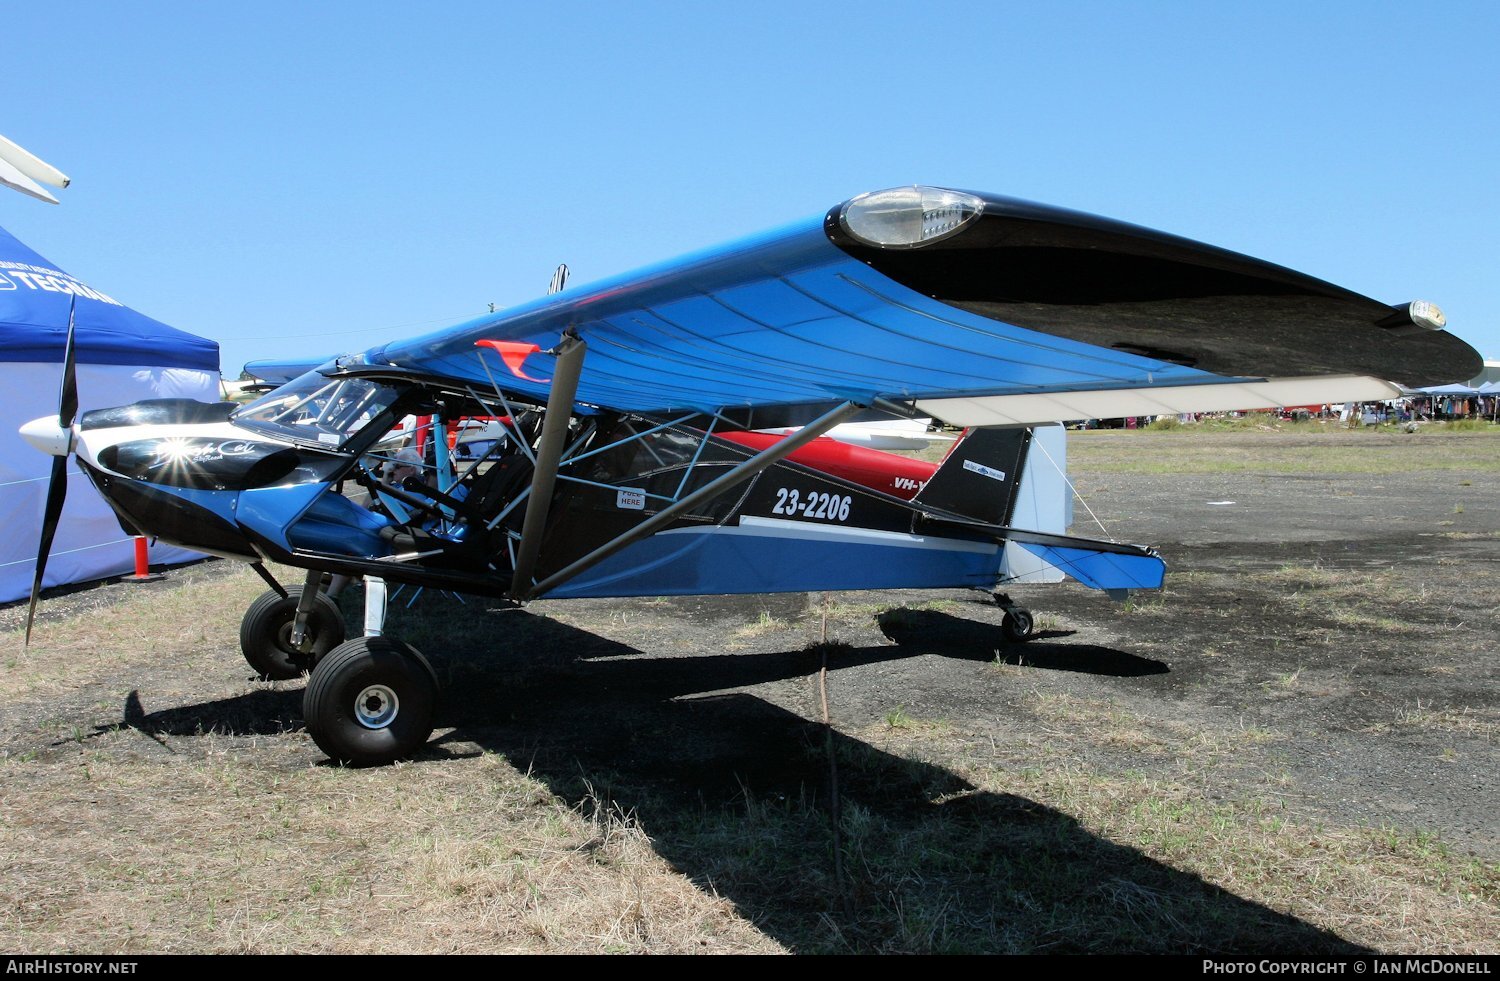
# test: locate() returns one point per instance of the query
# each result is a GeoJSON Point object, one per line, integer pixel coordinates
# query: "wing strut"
{"type": "Point", "coordinates": [549, 450]}
{"type": "Point", "coordinates": [741, 473]}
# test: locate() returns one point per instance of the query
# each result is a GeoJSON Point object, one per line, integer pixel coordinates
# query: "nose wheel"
{"type": "Point", "coordinates": [370, 701]}
{"type": "Point", "coordinates": [266, 633]}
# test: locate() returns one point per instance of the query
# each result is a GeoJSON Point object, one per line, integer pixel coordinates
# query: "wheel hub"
{"type": "Point", "coordinates": [376, 707]}
{"type": "Point", "coordinates": [284, 639]}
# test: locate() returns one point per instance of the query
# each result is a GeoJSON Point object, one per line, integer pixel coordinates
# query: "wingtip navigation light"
{"type": "Point", "coordinates": [909, 217]}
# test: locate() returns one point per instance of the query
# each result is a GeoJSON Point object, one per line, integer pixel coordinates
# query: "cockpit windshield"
{"type": "Point", "coordinates": [317, 409]}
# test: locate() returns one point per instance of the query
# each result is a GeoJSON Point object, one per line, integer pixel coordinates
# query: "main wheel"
{"type": "Point", "coordinates": [266, 634]}
{"type": "Point", "coordinates": [1017, 625]}
{"type": "Point", "coordinates": [370, 702]}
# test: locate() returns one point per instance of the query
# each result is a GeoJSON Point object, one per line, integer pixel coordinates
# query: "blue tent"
{"type": "Point", "coordinates": [34, 299]}
{"type": "Point", "coordinates": [123, 357]}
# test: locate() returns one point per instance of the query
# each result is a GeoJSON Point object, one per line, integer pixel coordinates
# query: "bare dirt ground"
{"type": "Point", "coordinates": [1293, 746]}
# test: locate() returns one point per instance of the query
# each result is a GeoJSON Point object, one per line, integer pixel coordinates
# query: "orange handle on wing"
{"type": "Point", "coordinates": [513, 353]}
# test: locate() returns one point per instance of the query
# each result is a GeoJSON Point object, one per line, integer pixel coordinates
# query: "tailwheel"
{"type": "Point", "coordinates": [1018, 625]}
{"type": "Point", "coordinates": [266, 634]}
{"type": "Point", "coordinates": [370, 702]}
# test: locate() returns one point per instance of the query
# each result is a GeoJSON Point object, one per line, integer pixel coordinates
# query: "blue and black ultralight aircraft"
{"type": "Point", "coordinates": [623, 471]}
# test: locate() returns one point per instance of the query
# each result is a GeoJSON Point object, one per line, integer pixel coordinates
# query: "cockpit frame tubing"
{"type": "Point", "coordinates": [739, 474]}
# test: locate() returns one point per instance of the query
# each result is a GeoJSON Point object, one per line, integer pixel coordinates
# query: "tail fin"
{"type": "Point", "coordinates": [986, 478]}
{"type": "Point", "coordinates": [979, 476]}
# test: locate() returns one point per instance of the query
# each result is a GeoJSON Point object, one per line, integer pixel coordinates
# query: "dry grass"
{"type": "Point", "coordinates": [1095, 861]}
{"type": "Point", "coordinates": [1351, 599]}
{"type": "Point", "coordinates": [99, 638]}
{"type": "Point", "coordinates": [1480, 723]}
{"type": "Point", "coordinates": [764, 624]}
{"type": "Point", "coordinates": [846, 611]}
{"type": "Point", "coordinates": [223, 856]}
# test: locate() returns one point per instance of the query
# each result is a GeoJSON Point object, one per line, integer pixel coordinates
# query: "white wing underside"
{"type": "Point", "coordinates": [1270, 393]}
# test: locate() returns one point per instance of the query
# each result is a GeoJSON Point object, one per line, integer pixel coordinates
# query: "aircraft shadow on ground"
{"type": "Point", "coordinates": [734, 792]}
{"type": "Point", "coordinates": [264, 712]}
{"type": "Point", "coordinates": [933, 632]}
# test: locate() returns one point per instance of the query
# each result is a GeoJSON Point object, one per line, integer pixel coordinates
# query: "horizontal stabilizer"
{"type": "Point", "coordinates": [1106, 570]}
{"type": "Point", "coordinates": [1096, 564]}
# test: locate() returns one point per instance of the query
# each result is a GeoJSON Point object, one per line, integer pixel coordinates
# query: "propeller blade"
{"type": "Point", "coordinates": [67, 397]}
{"type": "Point", "coordinates": [57, 487]}
{"type": "Point", "coordinates": [57, 492]}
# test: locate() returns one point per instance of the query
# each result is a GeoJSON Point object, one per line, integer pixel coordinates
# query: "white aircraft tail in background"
{"type": "Point", "coordinates": [26, 172]}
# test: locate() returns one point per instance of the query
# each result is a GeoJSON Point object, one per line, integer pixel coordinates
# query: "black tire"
{"type": "Point", "coordinates": [370, 702]}
{"type": "Point", "coordinates": [1018, 625]}
{"type": "Point", "coordinates": [266, 634]}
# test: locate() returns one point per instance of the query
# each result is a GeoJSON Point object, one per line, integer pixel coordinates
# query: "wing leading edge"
{"type": "Point", "coordinates": [1014, 314]}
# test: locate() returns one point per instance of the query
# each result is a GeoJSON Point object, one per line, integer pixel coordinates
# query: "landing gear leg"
{"type": "Point", "coordinates": [1018, 626]}
{"type": "Point", "coordinates": [375, 600]}
{"type": "Point", "coordinates": [315, 586]}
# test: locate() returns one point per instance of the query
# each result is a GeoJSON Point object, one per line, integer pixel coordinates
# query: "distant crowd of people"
{"type": "Point", "coordinates": [1425, 408]}
{"type": "Point", "coordinates": [1421, 408]}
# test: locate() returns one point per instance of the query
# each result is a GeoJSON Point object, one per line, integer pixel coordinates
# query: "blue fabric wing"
{"type": "Point", "coordinates": [787, 318]}
{"type": "Point", "coordinates": [1020, 302]}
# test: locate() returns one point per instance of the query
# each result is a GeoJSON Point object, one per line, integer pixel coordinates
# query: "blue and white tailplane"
{"type": "Point", "coordinates": [1044, 503]}
{"type": "Point", "coordinates": [1096, 568]}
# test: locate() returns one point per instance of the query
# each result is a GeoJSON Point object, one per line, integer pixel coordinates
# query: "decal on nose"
{"type": "Point", "coordinates": [204, 463]}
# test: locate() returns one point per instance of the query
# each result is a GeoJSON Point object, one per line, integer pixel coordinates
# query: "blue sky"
{"type": "Point", "coordinates": [297, 179]}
